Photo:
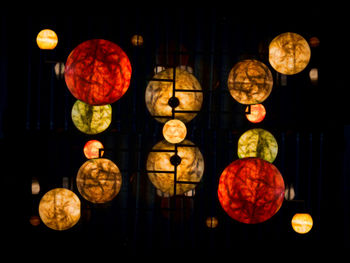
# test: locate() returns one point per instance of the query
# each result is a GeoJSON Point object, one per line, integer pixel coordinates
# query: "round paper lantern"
{"type": "Point", "coordinates": [257, 143]}
{"type": "Point", "coordinates": [91, 119]}
{"type": "Point", "coordinates": [98, 72]}
{"type": "Point", "coordinates": [159, 95]}
{"type": "Point", "coordinates": [289, 53]}
{"type": "Point", "coordinates": [302, 223]}
{"type": "Point", "coordinates": [59, 209]}
{"type": "Point", "coordinates": [47, 39]}
{"type": "Point", "coordinates": [92, 149]}
{"type": "Point", "coordinates": [174, 131]}
{"type": "Point", "coordinates": [257, 113]}
{"type": "Point", "coordinates": [99, 180]}
{"type": "Point", "coordinates": [137, 40]}
{"type": "Point", "coordinates": [250, 82]}
{"type": "Point", "coordinates": [251, 190]}
{"type": "Point", "coordinates": [189, 166]}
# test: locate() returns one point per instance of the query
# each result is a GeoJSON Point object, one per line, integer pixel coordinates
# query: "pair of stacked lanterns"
{"type": "Point", "coordinates": [251, 189]}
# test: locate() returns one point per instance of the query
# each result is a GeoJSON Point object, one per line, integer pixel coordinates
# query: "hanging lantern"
{"type": "Point", "coordinates": [302, 223]}
{"type": "Point", "coordinates": [47, 39]}
{"type": "Point", "coordinates": [174, 131]}
{"type": "Point", "coordinates": [289, 53]}
{"type": "Point", "coordinates": [34, 220]}
{"type": "Point", "coordinates": [212, 222]}
{"type": "Point", "coordinates": [161, 164]}
{"type": "Point", "coordinates": [137, 40]}
{"type": "Point", "coordinates": [160, 100]}
{"type": "Point", "coordinates": [59, 70]}
{"type": "Point", "coordinates": [91, 119]}
{"type": "Point", "coordinates": [98, 72]}
{"type": "Point", "coordinates": [93, 149]}
{"type": "Point", "coordinates": [35, 186]}
{"type": "Point", "coordinates": [257, 113]}
{"type": "Point", "coordinates": [59, 209]}
{"type": "Point", "coordinates": [257, 143]}
{"type": "Point", "coordinates": [99, 180]}
{"type": "Point", "coordinates": [251, 190]}
{"type": "Point", "coordinates": [250, 82]}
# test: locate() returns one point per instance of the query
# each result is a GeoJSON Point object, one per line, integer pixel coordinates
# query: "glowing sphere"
{"type": "Point", "coordinates": [190, 168]}
{"type": "Point", "coordinates": [289, 53]}
{"type": "Point", "coordinates": [59, 209]}
{"type": "Point", "coordinates": [212, 222]}
{"type": "Point", "coordinates": [257, 113]}
{"type": "Point", "coordinates": [174, 131]}
{"type": "Point", "coordinates": [250, 82]}
{"type": "Point", "coordinates": [91, 119]}
{"type": "Point", "coordinates": [137, 40]}
{"type": "Point", "coordinates": [92, 149]}
{"type": "Point", "coordinates": [99, 180]}
{"type": "Point", "coordinates": [47, 39]}
{"type": "Point", "coordinates": [158, 93]}
{"type": "Point", "coordinates": [98, 72]}
{"type": "Point", "coordinates": [257, 143]}
{"type": "Point", "coordinates": [251, 190]}
{"type": "Point", "coordinates": [302, 223]}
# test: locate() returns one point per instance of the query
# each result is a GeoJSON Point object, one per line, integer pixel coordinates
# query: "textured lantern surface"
{"type": "Point", "coordinates": [92, 149]}
{"type": "Point", "coordinates": [59, 209]}
{"type": "Point", "coordinates": [158, 93]}
{"type": "Point", "coordinates": [302, 223]}
{"type": "Point", "coordinates": [191, 167]}
{"type": "Point", "coordinates": [250, 81]}
{"type": "Point", "coordinates": [174, 131]}
{"type": "Point", "coordinates": [257, 113]}
{"type": "Point", "coordinates": [251, 190]}
{"type": "Point", "coordinates": [47, 39]}
{"type": "Point", "coordinates": [289, 53]}
{"type": "Point", "coordinates": [99, 180]}
{"type": "Point", "coordinates": [257, 143]}
{"type": "Point", "coordinates": [91, 119]}
{"type": "Point", "coordinates": [98, 72]}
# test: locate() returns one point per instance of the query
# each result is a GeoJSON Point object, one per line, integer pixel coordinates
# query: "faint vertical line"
{"type": "Point", "coordinates": [29, 76]}
{"type": "Point", "coordinates": [297, 163]}
{"type": "Point", "coordinates": [211, 71]}
{"type": "Point", "coordinates": [320, 183]}
{"type": "Point", "coordinates": [3, 72]}
{"type": "Point", "coordinates": [40, 75]}
{"type": "Point", "coordinates": [52, 97]}
{"type": "Point", "coordinates": [310, 160]}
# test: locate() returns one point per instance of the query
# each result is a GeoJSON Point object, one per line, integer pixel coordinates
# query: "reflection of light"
{"type": "Point", "coordinates": [313, 75]}
{"type": "Point", "coordinates": [302, 223]}
{"type": "Point", "coordinates": [35, 186]}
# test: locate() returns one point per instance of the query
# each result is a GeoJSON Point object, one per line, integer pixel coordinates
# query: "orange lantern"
{"type": "Point", "coordinates": [93, 149]}
{"type": "Point", "coordinates": [302, 223]}
{"type": "Point", "coordinates": [137, 40]}
{"type": "Point", "coordinates": [257, 113]}
{"type": "Point", "coordinates": [174, 131]}
{"type": "Point", "coordinates": [98, 72]}
{"type": "Point", "coordinates": [47, 39]}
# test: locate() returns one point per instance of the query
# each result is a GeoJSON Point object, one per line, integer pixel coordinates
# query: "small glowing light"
{"type": "Point", "coordinates": [59, 70]}
{"type": "Point", "coordinates": [212, 222]}
{"type": "Point", "coordinates": [34, 220]}
{"type": "Point", "coordinates": [35, 186]}
{"type": "Point", "coordinates": [314, 42]}
{"type": "Point", "coordinates": [47, 39]}
{"type": "Point", "coordinates": [289, 193]}
{"type": "Point", "coordinates": [93, 149]}
{"type": "Point", "coordinates": [257, 113]}
{"type": "Point", "coordinates": [174, 131]}
{"type": "Point", "coordinates": [302, 223]}
{"type": "Point", "coordinates": [137, 40]}
{"type": "Point", "coordinates": [158, 69]}
{"type": "Point", "coordinates": [313, 75]}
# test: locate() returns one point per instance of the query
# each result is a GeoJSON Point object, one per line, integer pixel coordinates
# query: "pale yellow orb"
{"type": "Point", "coordinates": [174, 131]}
{"type": "Point", "coordinates": [47, 39]}
{"type": "Point", "coordinates": [302, 223]}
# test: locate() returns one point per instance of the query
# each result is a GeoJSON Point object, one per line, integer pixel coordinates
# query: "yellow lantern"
{"type": "Point", "coordinates": [59, 209]}
{"type": "Point", "coordinates": [212, 222]}
{"type": "Point", "coordinates": [91, 119]}
{"type": "Point", "coordinates": [137, 40]}
{"type": "Point", "coordinates": [250, 82]}
{"type": "Point", "coordinates": [302, 223]}
{"type": "Point", "coordinates": [289, 53]}
{"type": "Point", "coordinates": [188, 96]}
{"type": "Point", "coordinates": [174, 131]}
{"type": "Point", "coordinates": [47, 39]}
{"type": "Point", "coordinates": [258, 143]}
{"type": "Point", "coordinates": [161, 164]}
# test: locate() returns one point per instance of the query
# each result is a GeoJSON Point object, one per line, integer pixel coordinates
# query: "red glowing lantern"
{"type": "Point", "coordinates": [251, 190]}
{"type": "Point", "coordinates": [93, 149]}
{"type": "Point", "coordinates": [98, 72]}
{"type": "Point", "coordinates": [257, 113]}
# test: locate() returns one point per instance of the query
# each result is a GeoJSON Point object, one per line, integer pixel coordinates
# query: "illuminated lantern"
{"type": "Point", "coordinates": [212, 222]}
{"type": "Point", "coordinates": [161, 164]}
{"type": "Point", "coordinates": [302, 223]}
{"type": "Point", "coordinates": [93, 149]}
{"type": "Point", "coordinates": [174, 131]}
{"type": "Point", "coordinates": [91, 119]}
{"type": "Point", "coordinates": [35, 186]}
{"type": "Point", "coordinates": [59, 209]}
{"type": "Point", "coordinates": [251, 190]}
{"type": "Point", "coordinates": [160, 100]}
{"type": "Point", "coordinates": [47, 39]}
{"type": "Point", "coordinates": [257, 143]}
{"type": "Point", "coordinates": [137, 40]}
{"type": "Point", "coordinates": [257, 113]}
{"type": "Point", "coordinates": [34, 220]}
{"type": "Point", "coordinates": [289, 53]}
{"type": "Point", "coordinates": [99, 180]}
{"type": "Point", "coordinates": [98, 72]}
{"type": "Point", "coordinates": [59, 70]}
{"type": "Point", "coordinates": [250, 82]}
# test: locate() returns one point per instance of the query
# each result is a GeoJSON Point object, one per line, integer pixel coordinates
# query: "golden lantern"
{"type": "Point", "coordinates": [99, 180]}
{"type": "Point", "coordinates": [161, 101]}
{"type": "Point", "coordinates": [250, 82]}
{"type": "Point", "coordinates": [161, 163]}
{"type": "Point", "coordinates": [47, 39]}
{"type": "Point", "coordinates": [174, 131]}
{"type": "Point", "coordinates": [137, 40]}
{"type": "Point", "coordinates": [212, 222]}
{"type": "Point", "coordinates": [91, 119]}
{"type": "Point", "coordinates": [257, 113]}
{"type": "Point", "coordinates": [93, 149]}
{"type": "Point", "coordinates": [59, 209]}
{"type": "Point", "coordinates": [302, 223]}
{"type": "Point", "coordinates": [289, 53]}
{"type": "Point", "coordinates": [257, 143]}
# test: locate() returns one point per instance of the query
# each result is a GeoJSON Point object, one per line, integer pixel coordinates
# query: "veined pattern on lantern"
{"type": "Point", "coordinates": [302, 223]}
{"type": "Point", "coordinates": [47, 39]}
{"type": "Point", "coordinates": [174, 131]}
